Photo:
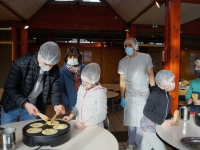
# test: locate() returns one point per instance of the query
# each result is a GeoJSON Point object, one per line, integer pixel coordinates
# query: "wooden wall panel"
{"type": "Point", "coordinates": [111, 58]}
{"type": "Point", "coordinates": [73, 17]}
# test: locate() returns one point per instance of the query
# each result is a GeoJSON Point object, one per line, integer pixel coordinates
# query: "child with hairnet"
{"type": "Point", "coordinates": [194, 88]}
{"type": "Point", "coordinates": [91, 106]}
{"type": "Point", "coordinates": [157, 110]}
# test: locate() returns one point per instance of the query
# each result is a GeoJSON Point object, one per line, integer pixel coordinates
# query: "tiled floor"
{"type": "Point", "coordinates": [115, 125]}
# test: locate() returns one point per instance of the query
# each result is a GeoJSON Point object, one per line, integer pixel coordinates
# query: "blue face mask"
{"type": "Point", "coordinates": [72, 62]}
{"type": "Point", "coordinates": [129, 51]}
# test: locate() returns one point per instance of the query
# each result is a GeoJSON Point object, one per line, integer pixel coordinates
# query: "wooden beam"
{"type": "Point", "coordinates": [19, 16]}
{"type": "Point", "coordinates": [191, 1]}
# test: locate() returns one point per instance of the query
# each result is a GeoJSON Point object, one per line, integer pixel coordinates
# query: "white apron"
{"type": "Point", "coordinates": [137, 92]}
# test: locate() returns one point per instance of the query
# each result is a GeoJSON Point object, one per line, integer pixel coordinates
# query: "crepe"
{"type": "Point", "coordinates": [34, 130]}
{"type": "Point", "coordinates": [36, 125]}
{"type": "Point", "coordinates": [49, 131]}
{"type": "Point", "coordinates": [60, 126]}
{"type": "Point", "coordinates": [195, 96]}
{"type": "Point", "coordinates": [53, 123]}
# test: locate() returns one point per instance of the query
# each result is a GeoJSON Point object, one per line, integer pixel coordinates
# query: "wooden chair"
{"type": "Point", "coordinates": [182, 93]}
{"type": "Point", "coordinates": [116, 103]}
{"type": "Point", "coordinates": [116, 80]}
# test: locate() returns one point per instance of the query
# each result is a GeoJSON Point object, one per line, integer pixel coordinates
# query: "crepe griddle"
{"type": "Point", "coordinates": [39, 139]}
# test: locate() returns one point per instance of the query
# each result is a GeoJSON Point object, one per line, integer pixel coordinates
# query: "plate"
{"type": "Point", "coordinates": [191, 142]}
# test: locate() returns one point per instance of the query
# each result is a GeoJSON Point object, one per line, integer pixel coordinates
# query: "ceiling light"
{"type": "Point", "coordinates": [159, 4]}
{"type": "Point", "coordinates": [154, 26]}
{"type": "Point", "coordinates": [26, 26]}
{"type": "Point", "coordinates": [128, 26]}
{"type": "Point", "coordinates": [127, 29]}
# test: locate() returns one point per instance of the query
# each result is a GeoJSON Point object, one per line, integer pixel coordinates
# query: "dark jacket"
{"type": "Point", "coordinates": [69, 94]}
{"type": "Point", "coordinates": [21, 80]}
{"type": "Point", "coordinates": [157, 107]}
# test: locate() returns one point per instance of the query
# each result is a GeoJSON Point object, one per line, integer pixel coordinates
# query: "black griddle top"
{"type": "Point", "coordinates": [46, 126]}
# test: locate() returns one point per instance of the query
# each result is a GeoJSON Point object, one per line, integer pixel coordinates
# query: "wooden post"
{"type": "Point", "coordinates": [14, 40]}
{"type": "Point", "coordinates": [24, 40]}
{"type": "Point", "coordinates": [172, 46]}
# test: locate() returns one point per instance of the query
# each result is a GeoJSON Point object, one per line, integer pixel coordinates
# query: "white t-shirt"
{"type": "Point", "coordinates": [125, 63]}
{"type": "Point", "coordinates": [135, 70]}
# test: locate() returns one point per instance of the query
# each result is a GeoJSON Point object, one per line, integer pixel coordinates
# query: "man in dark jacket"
{"type": "Point", "coordinates": [31, 80]}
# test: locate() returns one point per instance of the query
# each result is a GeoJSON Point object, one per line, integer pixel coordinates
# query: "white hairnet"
{"type": "Point", "coordinates": [197, 61]}
{"type": "Point", "coordinates": [50, 53]}
{"type": "Point", "coordinates": [163, 76]}
{"type": "Point", "coordinates": [91, 73]}
{"type": "Point", "coordinates": [133, 41]}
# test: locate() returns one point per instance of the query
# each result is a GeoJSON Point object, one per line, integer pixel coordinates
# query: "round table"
{"type": "Point", "coordinates": [90, 138]}
{"type": "Point", "coordinates": [173, 135]}
{"type": "Point", "coordinates": [113, 87]}
{"type": "Point", "coordinates": [111, 94]}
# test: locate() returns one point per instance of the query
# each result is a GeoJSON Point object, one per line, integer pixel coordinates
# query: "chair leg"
{"type": "Point", "coordinates": [112, 106]}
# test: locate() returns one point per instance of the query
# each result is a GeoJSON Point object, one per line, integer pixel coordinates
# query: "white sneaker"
{"type": "Point", "coordinates": [129, 147]}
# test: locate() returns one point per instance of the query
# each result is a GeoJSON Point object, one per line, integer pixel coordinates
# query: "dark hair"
{"type": "Point", "coordinates": [72, 51]}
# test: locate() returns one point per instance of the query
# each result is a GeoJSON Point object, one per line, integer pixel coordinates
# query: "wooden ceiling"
{"type": "Point", "coordinates": [133, 11]}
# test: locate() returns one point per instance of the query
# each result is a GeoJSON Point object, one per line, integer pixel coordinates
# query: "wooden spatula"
{"type": "Point", "coordinates": [54, 117]}
{"type": "Point", "coordinates": [43, 117]}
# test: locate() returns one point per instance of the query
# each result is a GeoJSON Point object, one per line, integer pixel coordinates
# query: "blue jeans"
{"type": "Point", "coordinates": [12, 115]}
{"type": "Point", "coordinates": [194, 108]}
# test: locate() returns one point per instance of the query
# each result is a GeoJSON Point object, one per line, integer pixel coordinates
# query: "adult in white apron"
{"type": "Point", "coordinates": [135, 73]}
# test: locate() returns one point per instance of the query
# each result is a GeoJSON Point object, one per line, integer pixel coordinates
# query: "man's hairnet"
{"type": "Point", "coordinates": [163, 76]}
{"type": "Point", "coordinates": [133, 41]}
{"type": "Point", "coordinates": [49, 53]}
{"type": "Point", "coordinates": [197, 61]}
{"type": "Point", "coordinates": [91, 73]}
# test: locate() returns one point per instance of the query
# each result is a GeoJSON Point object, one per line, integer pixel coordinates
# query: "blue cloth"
{"type": "Point", "coordinates": [69, 94]}
{"type": "Point", "coordinates": [13, 115]}
{"type": "Point", "coordinates": [194, 88]}
{"type": "Point", "coordinates": [123, 102]}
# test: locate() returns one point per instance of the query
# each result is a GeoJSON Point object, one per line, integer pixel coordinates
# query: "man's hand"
{"type": "Point", "coordinates": [59, 109]}
{"type": "Point", "coordinates": [32, 110]}
{"type": "Point", "coordinates": [68, 118]}
{"type": "Point", "coordinates": [123, 102]}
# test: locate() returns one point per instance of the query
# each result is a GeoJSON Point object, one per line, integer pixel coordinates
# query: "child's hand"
{"type": "Point", "coordinates": [168, 123]}
{"type": "Point", "coordinates": [196, 102]}
{"type": "Point", "coordinates": [190, 101]}
{"type": "Point", "coordinates": [81, 125]}
{"type": "Point", "coordinates": [175, 123]}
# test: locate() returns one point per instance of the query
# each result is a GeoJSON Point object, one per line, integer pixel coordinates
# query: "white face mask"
{"type": "Point", "coordinates": [44, 67]}
{"type": "Point", "coordinates": [171, 87]}
{"type": "Point", "coordinates": [86, 85]}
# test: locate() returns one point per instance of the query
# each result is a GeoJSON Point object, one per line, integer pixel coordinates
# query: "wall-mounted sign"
{"type": "Point", "coordinates": [87, 56]}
